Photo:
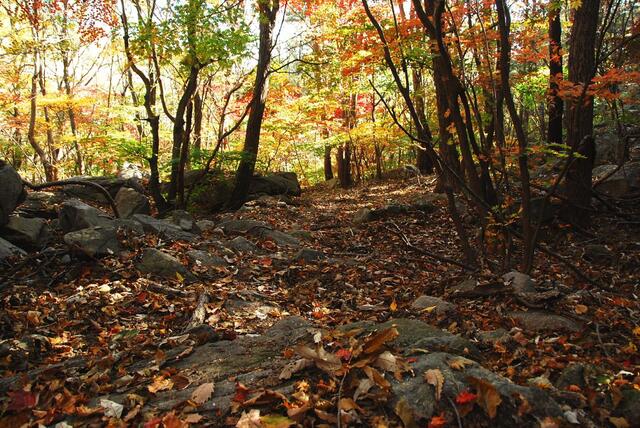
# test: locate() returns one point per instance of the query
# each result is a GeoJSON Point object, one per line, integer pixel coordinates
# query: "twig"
{"type": "Point", "coordinates": [161, 288]}
{"type": "Point", "coordinates": [456, 412]}
{"type": "Point", "coordinates": [199, 313]}
{"type": "Point", "coordinates": [96, 186]}
{"type": "Point", "coordinates": [429, 253]}
{"type": "Point", "coordinates": [602, 345]}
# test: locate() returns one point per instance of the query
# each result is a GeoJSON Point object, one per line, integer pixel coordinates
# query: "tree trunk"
{"type": "Point", "coordinates": [555, 104]}
{"type": "Point", "coordinates": [328, 170]}
{"type": "Point", "coordinates": [582, 69]}
{"type": "Point", "coordinates": [268, 10]}
{"type": "Point", "coordinates": [197, 121]}
{"type": "Point", "coordinates": [31, 134]}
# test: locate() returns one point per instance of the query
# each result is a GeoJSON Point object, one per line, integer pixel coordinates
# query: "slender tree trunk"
{"type": "Point", "coordinates": [197, 121]}
{"type": "Point", "coordinates": [31, 134]}
{"type": "Point", "coordinates": [328, 169]}
{"type": "Point", "coordinates": [268, 10]}
{"type": "Point", "coordinates": [184, 155]}
{"type": "Point", "coordinates": [555, 104]}
{"type": "Point", "coordinates": [47, 120]}
{"type": "Point", "coordinates": [582, 69]}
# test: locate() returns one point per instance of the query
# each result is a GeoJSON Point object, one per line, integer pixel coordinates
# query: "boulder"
{"type": "Point", "coordinates": [130, 171]}
{"type": "Point", "coordinates": [42, 204]}
{"type": "Point", "coordinates": [280, 183]}
{"type": "Point", "coordinates": [277, 236]}
{"type": "Point", "coordinates": [363, 215]}
{"type": "Point", "coordinates": [206, 225]}
{"type": "Point", "coordinates": [26, 232]}
{"type": "Point", "coordinates": [11, 191]}
{"type": "Point", "coordinates": [94, 241]}
{"type": "Point", "coordinates": [433, 304]}
{"type": "Point", "coordinates": [111, 184]}
{"type": "Point", "coordinates": [309, 255]}
{"type": "Point", "coordinates": [573, 374]}
{"type": "Point", "coordinates": [538, 321]}
{"type": "Point", "coordinates": [184, 221]}
{"type": "Point", "coordinates": [242, 245]}
{"type": "Point", "coordinates": [543, 212]}
{"type": "Point", "coordinates": [472, 288]}
{"type": "Point", "coordinates": [130, 202]}
{"type": "Point", "coordinates": [242, 225]}
{"type": "Point", "coordinates": [75, 215]}
{"type": "Point", "coordinates": [161, 264]}
{"type": "Point", "coordinates": [205, 259]}
{"type": "Point", "coordinates": [7, 249]}
{"type": "Point", "coordinates": [520, 282]}
{"type": "Point", "coordinates": [163, 228]}
{"type": "Point", "coordinates": [621, 183]}
{"type": "Point", "coordinates": [609, 148]}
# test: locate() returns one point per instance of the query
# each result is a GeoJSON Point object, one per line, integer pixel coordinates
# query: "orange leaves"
{"type": "Point", "coordinates": [488, 396]}
{"type": "Point", "coordinates": [466, 397]}
{"type": "Point", "coordinates": [434, 377]}
{"type": "Point", "coordinates": [160, 383]}
{"type": "Point", "coordinates": [202, 393]}
{"type": "Point", "coordinates": [374, 344]}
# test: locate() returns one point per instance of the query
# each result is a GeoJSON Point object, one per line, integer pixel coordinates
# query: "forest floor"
{"type": "Point", "coordinates": [72, 326]}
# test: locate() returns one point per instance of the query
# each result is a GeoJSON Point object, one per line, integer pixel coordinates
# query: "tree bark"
{"type": "Point", "coordinates": [555, 104]}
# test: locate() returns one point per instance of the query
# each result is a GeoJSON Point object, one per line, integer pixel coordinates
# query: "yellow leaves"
{"type": "Point", "coordinates": [636, 331]}
{"type": "Point", "coordinates": [376, 342]}
{"type": "Point", "coordinates": [631, 348]}
{"type": "Point", "coordinates": [393, 306]}
{"type": "Point", "coordinates": [488, 396]}
{"type": "Point", "coordinates": [160, 383]}
{"type": "Point", "coordinates": [434, 377]}
{"type": "Point", "coordinates": [459, 363]}
{"type": "Point", "coordinates": [202, 393]}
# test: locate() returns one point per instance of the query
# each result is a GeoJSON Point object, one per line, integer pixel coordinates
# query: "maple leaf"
{"type": "Point", "coordinates": [434, 377]}
{"type": "Point", "coordinates": [488, 396]}
{"type": "Point", "coordinates": [202, 393]}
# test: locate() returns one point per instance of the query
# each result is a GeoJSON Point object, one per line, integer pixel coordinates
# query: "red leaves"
{"type": "Point", "coordinates": [466, 397]}
{"type": "Point", "coordinates": [22, 400]}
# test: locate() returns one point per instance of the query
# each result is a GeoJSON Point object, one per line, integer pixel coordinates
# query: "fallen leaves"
{"type": "Point", "coordinates": [202, 393]}
{"type": "Point", "coordinates": [324, 360]}
{"type": "Point", "coordinates": [488, 396]}
{"type": "Point", "coordinates": [434, 377]}
{"type": "Point", "coordinates": [160, 383]}
{"type": "Point", "coordinates": [375, 343]}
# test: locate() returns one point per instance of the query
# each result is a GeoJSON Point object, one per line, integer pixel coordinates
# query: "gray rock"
{"type": "Point", "coordinates": [573, 374]}
{"type": "Point", "coordinates": [492, 337]}
{"type": "Point", "coordinates": [206, 225]}
{"type": "Point", "coordinates": [623, 182]}
{"type": "Point", "coordinates": [439, 305]}
{"type": "Point", "coordinates": [26, 232]}
{"type": "Point", "coordinates": [42, 204]}
{"type": "Point", "coordinates": [472, 288]}
{"type": "Point", "coordinates": [7, 249]}
{"type": "Point", "coordinates": [242, 225]}
{"type": "Point", "coordinates": [162, 228]}
{"type": "Point", "coordinates": [629, 406]}
{"type": "Point", "coordinates": [280, 183]}
{"type": "Point", "coordinates": [277, 236]}
{"type": "Point", "coordinates": [309, 255]}
{"type": "Point", "coordinates": [425, 205]}
{"type": "Point", "coordinates": [542, 211]}
{"type": "Point", "coordinates": [598, 254]}
{"type": "Point", "coordinates": [609, 148]}
{"type": "Point", "coordinates": [420, 403]}
{"type": "Point", "coordinates": [538, 321]}
{"type": "Point", "coordinates": [75, 215]}
{"type": "Point", "coordinates": [128, 225]}
{"type": "Point", "coordinates": [520, 282]}
{"type": "Point", "coordinates": [130, 202]}
{"type": "Point", "coordinates": [242, 245]}
{"type": "Point", "coordinates": [304, 235]}
{"type": "Point", "coordinates": [159, 263]}
{"type": "Point", "coordinates": [11, 191]}
{"type": "Point", "coordinates": [394, 209]}
{"type": "Point", "coordinates": [205, 259]}
{"type": "Point", "coordinates": [363, 215]}
{"type": "Point", "coordinates": [130, 171]}
{"type": "Point", "coordinates": [94, 241]}
{"type": "Point", "coordinates": [111, 184]}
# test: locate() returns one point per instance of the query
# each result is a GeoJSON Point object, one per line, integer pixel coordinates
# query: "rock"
{"type": "Point", "coordinates": [184, 221]}
{"type": "Point", "coordinates": [11, 191]}
{"type": "Point", "coordinates": [206, 225]}
{"type": "Point", "coordinates": [159, 263]}
{"type": "Point", "coordinates": [439, 305]}
{"type": "Point", "coordinates": [94, 241]}
{"type": "Point", "coordinates": [128, 224]}
{"type": "Point", "coordinates": [598, 254]}
{"type": "Point", "coordinates": [130, 202]}
{"type": "Point", "coordinates": [331, 184]}
{"type": "Point", "coordinates": [363, 215]}
{"type": "Point", "coordinates": [280, 183]}
{"type": "Point", "coordinates": [609, 148]}
{"type": "Point", "coordinates": [111, 184]}
{"type": "Point", "coordinates": [432, 198]}
{"type": "Point", "coordinates": [26, 232]}
{"type": "Point", "coordinates": [7, 249]}
{"type": "Point", "coordinates": [574, 374]}
{"type": "Point", "coordinates": [393, 210]}
{"type": "Point", "coordinates": [416, 398]}
{"type": "Point", "coordinates": [472, 288]}
{"type": "Point", "coordinates": [622, 183]}
{"type": "Point", "coordinates": [162, 228]}
{"type": "Point", "coordinates": [242, 225]}
{"type": "Point", "coordinates": [425, 205]}
{"type": "Point", "coordinates": [41, 204]}
{"type": "Point", "coordinates": [75, 215]}
{"type": "Point", "coordinates": [203, 258]}
{"type": "Point", "coordinates": [493, 337]}
{"type": "Point", "coordinates": [537, 321]}
{"type": "Point", "coordinates": [520, 282]}
{"type": "Point", "coordinates": [130, 171]}
{"type": "Point", "coordinates": [629, 406]}
{"type": "Point", "coordinates": [242, 245]}
{"type": "Point", "coordinates": [304, 235]}
{"type": "Point", "coordinates": [277, 236]}
{"type": "Point", "coordinates": [309, 255]}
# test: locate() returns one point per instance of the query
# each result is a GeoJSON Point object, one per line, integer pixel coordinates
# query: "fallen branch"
{"type": "Point", "coordinates": [96, 186]}
{"type": "Point", "coordinates": [199, 313]}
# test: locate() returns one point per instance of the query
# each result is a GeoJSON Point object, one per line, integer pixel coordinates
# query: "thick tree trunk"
{"type": "Point", "coordinates": [268, 10]}
{"type": "Point", "coordinates": [555, 105]}
{"type": "Point", "coordinates": [582, 69]}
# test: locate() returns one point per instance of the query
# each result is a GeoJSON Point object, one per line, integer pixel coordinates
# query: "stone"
{"type": "Point", "coordinates": [203, 258]}
{"type": "Point", "coordinates": [573, 374]}
{"type": "Point", "coordinates": [538, 321]}
{"type": "Point", "coordinates": [11, 191]}
{"type": "Point", "coordinates": [277, 236]}
{"type": "Point", "coordinates": [130, 202]}
{"type": "Point", "coordinates": [42, 204]}
{"type": "Point", "coordinates": [130, 171]}
{"type": "Point", "coordinates": [621, 183]}
{"type": "Point", "coordinates": [439, 305]}
{"type": "Point", "coordinates": [520, 282]}
{"type": "Point", "coordinates": [161, 264]}
{"type": "Point", "coordinates": [418, 401]}
{"type": "Point", "coordinates": [242, 245]}
{"type": "Point", "coordinates": [7, 249]}
{"type": "Point", "coordinates": [492, 337]}
{"type": "Point", "coordinates": [543, 211]}
{"type": "Point", "coordinates": [304, 235]}
{"type": "Point", "coordinates": [206, 225]}
{"type": "Point", "coordinates": [598, 254]}
{"type": "Point", "coordinates": [94, 241]}
{"type": "Point", "coordinates": [184, 221]}
{"type": "Point", "coordinates": [472, 288]}
{"type": "Point", "coordinates": [609, 148]}
{"type": "Point", "coordinates": [280, 183]}
{"type": "Point", "coordinates": [629, 406]}
{"type": "Point", "coordinates": [425, 205]}
{"type": "Point", "coordinates": [242, 225]}
{"type": "Point", "coordinates": [394, 209]}
{"type": "Point", "coordinates": [309, 255]}
{"type": "Point", "coordinates": [363, 215]}
{"type": "Point", "coordinates": [331, 184]}
{"type": "Point", "coordinates": [75, 215]}
{"type": "Point", "coordinates": [111, 184]}
{"type": "Point", "coordinates": [162, 228]}
{"type": "Point", "coordinates": [26, 232]}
